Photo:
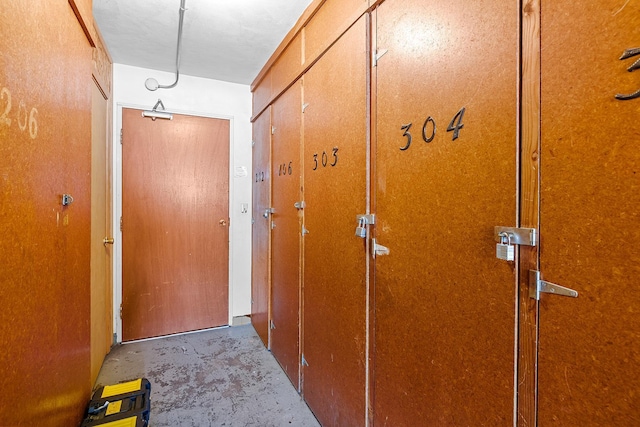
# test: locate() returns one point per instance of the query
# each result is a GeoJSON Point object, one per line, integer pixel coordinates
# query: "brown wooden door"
{"type": "Point", "coordinates": [45, 152]}
{"type": "Point", "coordinates": [335, 176]}
{"type": "Point", "coordinates": [445, 160]}
{"type": "Point", "coordinates": [261, 230]}
{"type": "Point", "coordinates": [175, 204]}
{"type": "Point", "coordinates": [285, 235]}
{"type": "Point", "coordinates": [101, 287]}
{"type": "Point", "coordinates": [589, 351]}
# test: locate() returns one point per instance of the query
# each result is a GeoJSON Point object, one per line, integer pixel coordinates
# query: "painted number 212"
{"type": "Point", "coordinates": [429, 129]}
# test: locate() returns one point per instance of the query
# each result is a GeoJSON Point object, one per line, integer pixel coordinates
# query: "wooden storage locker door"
{"type": "Point", "coordinates": [285, 235]}
{"type": "Point", "coordinates": [260, 249]}
{"type": "Point", "coordinates": [444, 305]}
{"type": "Point", "coordinates": [45, 152]}
{"type": "Point", "coordinates": [589, 357]}
{"type": "Point", "coordinates": [334, 302]}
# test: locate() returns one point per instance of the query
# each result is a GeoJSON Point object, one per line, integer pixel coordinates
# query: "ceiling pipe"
{"type": "Point", "coordinates": [151, 83]}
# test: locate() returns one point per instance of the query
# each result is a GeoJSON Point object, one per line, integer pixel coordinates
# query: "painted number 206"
{"type": "Point", "coordinates": [24, 118]}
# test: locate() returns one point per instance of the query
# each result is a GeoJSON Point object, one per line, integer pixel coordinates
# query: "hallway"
{"type": "Point", "coordinates": [221, 377]}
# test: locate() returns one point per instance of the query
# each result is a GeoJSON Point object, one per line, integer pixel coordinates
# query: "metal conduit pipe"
{"type": "Point", "coordinates": [151, 83]}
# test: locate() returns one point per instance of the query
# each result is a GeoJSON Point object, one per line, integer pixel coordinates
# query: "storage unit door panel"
{"type": "Point", "coordinates": [261, 225]}
{"type": "Point", "coordinates": [589, 354]}
{"type": "Point", "coordinates": [334, 258]}
{"type": "Point", "coordinates": [444, 305]}
{"type": "Point", "coordinates": [285, 305]}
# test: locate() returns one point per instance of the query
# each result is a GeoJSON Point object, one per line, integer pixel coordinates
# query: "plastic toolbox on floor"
{"type": "Point", "coordinates": [119, 403]}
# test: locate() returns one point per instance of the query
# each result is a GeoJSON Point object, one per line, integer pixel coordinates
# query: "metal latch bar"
{"type": "Point", "coordinates": [378, 249]}
{"type": "Point", "coordinates": [519, 236]}
{"type": "Point", "coordinates": [538, 286]}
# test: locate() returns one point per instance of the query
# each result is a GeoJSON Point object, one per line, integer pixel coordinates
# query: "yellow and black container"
{"type": "Point", "coordinates": [121, 405]}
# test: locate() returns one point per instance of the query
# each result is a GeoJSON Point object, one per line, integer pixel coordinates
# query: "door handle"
{"type": "Point", "coordinates": [107, 241]}
{"type": "Point", "coordinates": [222, 222]}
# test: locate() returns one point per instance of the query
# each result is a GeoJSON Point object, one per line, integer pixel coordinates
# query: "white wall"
{"type": "Point", "coordinates": [200, 97]}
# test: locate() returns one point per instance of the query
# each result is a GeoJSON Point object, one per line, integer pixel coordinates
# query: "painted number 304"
{"type": "Point", "coordinates": [429, 129]}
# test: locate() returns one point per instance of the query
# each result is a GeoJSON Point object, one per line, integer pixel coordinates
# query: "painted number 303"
{"type": "Point", "coordinates": [429, 129]}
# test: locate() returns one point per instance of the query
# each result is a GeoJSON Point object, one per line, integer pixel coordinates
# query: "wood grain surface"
{"type": "Point", "coordinates": [261, 231]}
{"type": "Point", "coordinates": [334, 303]}
{"type": "Point", "coordinates": [45, 152]}
{"type": "Point", "coordinates": [286, 234]}
{"type": "Point", "coordinates": [175, 213]}
{"type": "Point", "coordinates": [444, 305]}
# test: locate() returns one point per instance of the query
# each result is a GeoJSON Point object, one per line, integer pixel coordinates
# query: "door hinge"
{"type": "Point", "coordinates": [273, 130]}
{"type": "Point", "coordinates": [120, 223]}
{"type": "Point", "coordinates": [272, 325]}
{"type": "Point", "coordinates": [253, 143]}
{"type": "Point", "coordinates": [303, 361]}
{"type": "Point", "coordinates": [120, 136]}
{"type": "Point", "coordinates": [120, 311]}
{"type": "Point", "coordinates": [538, 286]}
{"type": "Point", "coordinates": [377, 55]}
{"type": "Point", "coordinates": [304, 231]}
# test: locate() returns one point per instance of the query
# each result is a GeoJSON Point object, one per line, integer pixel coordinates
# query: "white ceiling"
{"type": "Point", "coordinates": [228, 40]}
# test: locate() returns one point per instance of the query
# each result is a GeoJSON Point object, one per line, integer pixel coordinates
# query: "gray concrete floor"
{"type": "Point", "coordinates": [222, 377]}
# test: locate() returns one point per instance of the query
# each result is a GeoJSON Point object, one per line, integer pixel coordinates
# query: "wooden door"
{"type": "Point", "coordinates": [335, 177]}
{"type": "Point", "coordinates": [261, 229]}
{"type": "Point", "coordinates": [101, 249]}
{"type": "Point", "coordinates": [45, 152]}
{"type": "Point", "coordinates": [175, 204]}
{"type": "Point", "coordinates": [286, 232]}
{"type": "Point", "coordinates": [589, 350]}
{"type": "Point", "coordinates": [445, 162]}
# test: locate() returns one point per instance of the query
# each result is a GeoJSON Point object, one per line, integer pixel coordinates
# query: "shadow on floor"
{"type": "Point", "coordinates": [222, 377]}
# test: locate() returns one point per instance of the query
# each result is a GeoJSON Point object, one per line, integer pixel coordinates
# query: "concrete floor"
{"type": "Point", "coordinates": [222, 377]}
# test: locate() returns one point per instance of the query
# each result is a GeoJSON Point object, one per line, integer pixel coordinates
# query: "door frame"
{"type": "Point", "coordinates": [117, 208]}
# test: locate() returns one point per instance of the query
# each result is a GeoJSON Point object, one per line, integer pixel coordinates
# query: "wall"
{"type": "Point", "coordinates": [201, 97]}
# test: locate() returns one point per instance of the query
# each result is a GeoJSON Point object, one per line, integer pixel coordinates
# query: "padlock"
{"type": "Point", "coordinates": [361, 231]}
{"type": "Point", "coordinates": [505, 251]}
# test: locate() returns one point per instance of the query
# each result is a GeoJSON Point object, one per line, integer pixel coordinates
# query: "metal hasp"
{"type": "Point", "coordinates": [518, 236]}
{"type": "Point", "coordinates": [268, 211]}
{"type": "Point", "coordinates": [538, 286]}
{"type": "Point", "coordinates": [66, 199]}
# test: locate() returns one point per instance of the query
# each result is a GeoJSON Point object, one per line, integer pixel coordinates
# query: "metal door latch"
{"type": "Point", "coordinates": [363, 221]}
{"type": "Point", "coordinates": [538, 286]}
{"type": "Point", "coordinates": [377, 249]}
{"type": "Point", "coordinates": [268, 211]}
{"type": "Point", "coordinates": [67, 199]}
{"type": "Point", "coordinates": [517, 236]}
{"type": "Point", "coordinates": [299, 205]}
